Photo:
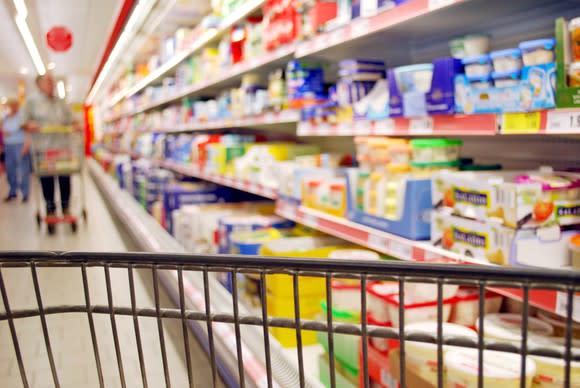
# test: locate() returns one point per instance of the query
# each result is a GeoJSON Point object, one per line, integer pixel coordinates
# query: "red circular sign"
{"type": "Point", "coordinates": [59, 38]}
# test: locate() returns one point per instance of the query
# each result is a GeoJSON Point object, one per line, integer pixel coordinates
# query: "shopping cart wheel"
{"type": "Point", "coordinates": [73, 227]}
{"type": "Point", "coordinates": [51, 228]}
{"type": "Point", "coordinates": [38, 220]}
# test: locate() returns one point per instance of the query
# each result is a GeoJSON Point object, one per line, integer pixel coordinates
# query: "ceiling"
{"type": "Point", "coordinates": [90, 21]}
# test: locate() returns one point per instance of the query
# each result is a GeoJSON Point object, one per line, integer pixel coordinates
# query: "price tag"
{"type": "Point", "coordinates": [421, 126]}
{"type": "Point", "coordinates": [345, 128]}
{"type": "Point", "coordinates": [359, 28]}
{"type": "Point", "coordinates": [563, 122]}
{"type": "Point", "coordinates": [434, 4]}
{"type": "Point", "coordinates": [384, 127]}
{"type": "Point", "coordinates": [288, 115]}
{"type": "Point", "coordinates": [269, 117]}
{"type": "Point", "coordinates": [377, 242]}
{"type": "Point", "coordinates": [304, 128]}
{"type": "Point", "coordinates": [336, 37]}
{"type": "Point", "coordinates": [521, 122]}
{"type": "Point", "coordinates": [363, 127]}
{"type": "Point", "coordinates": [562, 304]}
{"type": "Point", "coordinates": [320, 43]}
{"type": "Point", "coordinates": [401, 250]}
{"type": "Point", "coordinates": [310, 220]}
{"type": "Point", "coordinates": [322, 129]}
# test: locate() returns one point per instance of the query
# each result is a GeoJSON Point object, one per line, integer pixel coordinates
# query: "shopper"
{"type": "Point", "coordinates": [45, 109]}
{"type": "Point", "coordinates": [17, 153]}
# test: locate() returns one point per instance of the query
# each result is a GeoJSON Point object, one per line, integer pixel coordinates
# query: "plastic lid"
{"type": "Point", "coordinates": [513, 52]}
{"type": "Point", "coordinates": [429, 143]}
{"type": "Point", "coordinates": [506, 75]}
{"type": "Point", "coordinates": [499, 365]}
{"type": "Point", "coordinates": [430, 328]}
{"type": "Point", "coordinates": [481, 59]}
{"type": "Point", "coordinates": [479, 78]}
{"type": "Point", "coordinates": [508, 327]}
{"type": "Point", "coordinates": [547, 44]}
{"type": "Point", "coordinates": [454, 163]}
{"type": "Point", "coordinates": [342, 315]}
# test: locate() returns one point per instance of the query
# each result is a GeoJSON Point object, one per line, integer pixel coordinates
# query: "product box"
{"type": "Point", "coordinates": [495, 197]}
{"type": "Point", "coordinates": [535, 91]}
{"type": "Point", "coordinates": [416, 203]}
{"type": "Point", "coordinates": [567, 96]}
{"type": "Point", "coordinates": [498, 244]}
{"type": "Point", "coordinates": [381, 370]}
{"type": "Point", "coordinates": [232, 224]}
{"type": "Point", "coordinates": [439, 99]}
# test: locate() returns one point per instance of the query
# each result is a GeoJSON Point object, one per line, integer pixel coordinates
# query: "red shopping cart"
{"type": "Point", "coordinates": [58, 151]}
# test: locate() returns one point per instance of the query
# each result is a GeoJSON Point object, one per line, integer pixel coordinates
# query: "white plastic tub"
{"type": "Point", "coordinates": [550, 373]}
{"type": "Point", "coordinates": [422, 357]}
{"type": "Point", "coordinates": [466, 308]}
{"type": "Point", "coordinates": [500, 370]}
{"type": "Point", "coordinates": [478, 66]}
{"type": "Point", "coordinates": [417, 311]}
{"type": "Point", "coordinates": [538, 52]}
{"type": "Point", "coordinates": [508, 328]}
{"type": "Point", "coordinates": [506, 60]}
{"type": "Point", "coordinates": [377, 294]}
{"type": "Point", "coordinates": [346, 295]}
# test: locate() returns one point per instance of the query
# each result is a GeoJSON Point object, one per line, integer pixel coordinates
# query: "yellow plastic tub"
{"type": "Point", "coordinates": [283, 307]}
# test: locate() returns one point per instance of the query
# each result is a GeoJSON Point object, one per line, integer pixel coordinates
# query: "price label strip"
{"type": "Point", "coordinates": [563, 122]}
{"type": "Point", "coordinates": [521, 122]}
{"type": "Point", "coordinates": [421, 126]}
{"type": "Point", "coordinates": [377, 242]}
{"type": "Point", "coordinates": [434, 4]}
{"type": "Point", "coordinates": [384, 127]}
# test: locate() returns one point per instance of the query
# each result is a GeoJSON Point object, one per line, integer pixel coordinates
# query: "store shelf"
{"type": "Point", "coordinates": [206, 38]}
{"type": "Point", "coordinates": [236, 183]}
{"type": "Point", "coordinates": [410, 250]}
{"type": "Point", "coordinates": [270, 118]}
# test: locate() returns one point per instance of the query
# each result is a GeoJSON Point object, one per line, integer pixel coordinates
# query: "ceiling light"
{"type": "Point", "coordinates": [51, 66]}
{"type": "Point", "coordinates": [138, 16]}
{"type": "Point", "coordinates": [21, 10]}
{"type": "Point", "coordinates": [23, 70]}
{"type": "Point", "coordinates": [60, 89]}
{"type": "Point", "coordinates": [30, 44]}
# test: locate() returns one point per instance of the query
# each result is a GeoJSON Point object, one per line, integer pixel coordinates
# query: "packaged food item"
{"type": "Point", "coordinates": [249, 242]}
{"type": "Point", "coordinates": [480, 81]}
{"type": "Point", "coordinates": [575, 251]}
{"type": "Point", "coordinates": [377, 294]}
{"type": "Point", "coordinates": [574, 27]}
{"type": "Point", "coordinates": [283, 307]}
{"type": "Point", "coordinates": [500, 369]}
{"type": "Point", "coordinates": [345, 345]}
{"type": "Point", "coordinates": [506, 60]}
{"type": "Point", "coordinates": [508, 328]}
{"type": "Point", "coordinates": [466, 308]}
{"type": "Point", "coordinates": [435, 150]}
{"type": "Point", "coordinates": [574, 74]}
{"type": "Point", "coordinates": [550, 372]}
{"type": "Point", "coordinates": [477, 66]}
{"type": "Point", "coordinates": [414, 78]}
{"type": "Point", "coordinates": [559, 324]}
{"type": "Point", "coordinates": [469, 46]}
{"type": "Point", "coordinates": [416, 311]}
{"type": "Point", "coordinates": [381, 344]}
{"type": "Point", "coordinates": [426, 170]}
{"type": "Point", "coordinates": [503, 80]}
{"type": "Point", "coordinates": [344, 376]}
{"type": "Point", "coordinates": [538, 52]}
{"type": "Point", "coordinates": [399, 154]}
{"type": "Point", "coordinates": [422, 356]}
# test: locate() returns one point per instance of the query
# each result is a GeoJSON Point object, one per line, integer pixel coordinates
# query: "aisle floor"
{"type": "Point", "coordinates": [69, 334]}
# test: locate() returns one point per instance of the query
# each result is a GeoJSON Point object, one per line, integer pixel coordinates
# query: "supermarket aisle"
{"type": "Point", "coordinates": [69, 334]}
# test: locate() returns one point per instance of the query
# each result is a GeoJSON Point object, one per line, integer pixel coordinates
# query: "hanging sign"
{"type": "Point", "coordinates": [59, 39]}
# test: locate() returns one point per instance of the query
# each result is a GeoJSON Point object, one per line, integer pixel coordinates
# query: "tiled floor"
{"type": "Point", "coordinates": [69, 334]}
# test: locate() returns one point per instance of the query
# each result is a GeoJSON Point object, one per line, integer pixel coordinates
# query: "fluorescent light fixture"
{"type": "Point", "coordinates": [30, 44]}
{"type": "Point", "coordinates": [60, 89]}
{"type": "Point", "coordinates": [139, 14]}
{"type": "Point", "coordinates": [21, 10]}
{"type": "Point", "coordinates": [51, 66]}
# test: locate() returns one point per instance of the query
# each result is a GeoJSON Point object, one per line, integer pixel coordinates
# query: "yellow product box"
{"type": "Point", "coordinates": [283, 307]}
{"type": "Point", "coordinates": [300, 247]}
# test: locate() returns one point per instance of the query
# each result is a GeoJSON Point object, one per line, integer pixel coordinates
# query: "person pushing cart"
{"type": "Point", "coordinates": [54, 151]}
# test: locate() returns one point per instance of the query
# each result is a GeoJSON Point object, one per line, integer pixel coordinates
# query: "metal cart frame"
{"type": "Point", "coordinates": [57, 152]}
{"type": "Point", "coordinates": [527, 280]}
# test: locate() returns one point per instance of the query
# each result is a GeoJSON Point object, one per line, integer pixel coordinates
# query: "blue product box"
{"type": "Point", "coordinates": [416, 203]}
{"type": "Point", "coordinates": [229, 225]}
{"type": "Point", "coordinates": [439, 99]}
{"type": "Point", "coordinates": [535, 91]}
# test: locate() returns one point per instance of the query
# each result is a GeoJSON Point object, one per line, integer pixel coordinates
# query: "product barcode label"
{"type": "Point", "coordinates": [521, 122]}
{"type": "Point", "coordinates": [563, 122]}
{"type": "Point", "coordinates": [384, 127]}
{"type": "Point", "coordinates": [433, 4]}
{"type": "Point", "coordinates": [562, 305]}
{"type": "Point", "coordinates": [421, 126]}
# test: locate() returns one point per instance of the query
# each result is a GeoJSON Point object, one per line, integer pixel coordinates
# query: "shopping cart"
{"type": "Point", "coordinates": [58, 151]}
{"type": "Point", "coordinates": [191, 277]}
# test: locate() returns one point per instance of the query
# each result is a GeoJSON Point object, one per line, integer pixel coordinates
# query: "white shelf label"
{"type": "Point", "coordinates": [345, 128]}
{"type": "Point", "coordinates": [363, 127]}
{"type": "Point", "coordinates": [562, 304]}
{"type": "Point", "coordinates": [433, 4]}
{"type": "Point", "coordinates": [401, 250]}
{"type": "Point", "coordinates": [310, 220]}
{"type": "Point", "coordinates": [421, 126]}
{"type": "Point", "coordinates": [567, 122]}
{"type": "Point", "coordinates": [377, 242]}
{"type": "Point", "coordinates": [304, 129]}
{"type": "Point", "coordinates": [322, 129]}
{"type": "Point", "coordinates": [359, 28]}
{"type": "Point", "coordinates": [336, 37]}
{"type": "Point", "coordinates": [384, 127]}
